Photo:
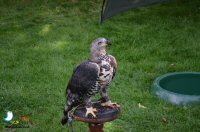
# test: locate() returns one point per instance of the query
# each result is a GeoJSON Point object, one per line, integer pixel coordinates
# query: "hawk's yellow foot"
{"type": "Point", "coordinates": [91, 111]}
{"type": "Point", "coordinates": [110, 104]}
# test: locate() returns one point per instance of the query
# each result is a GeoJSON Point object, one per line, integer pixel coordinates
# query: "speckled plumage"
{"type": "Point", "coordinates": [90, 77]}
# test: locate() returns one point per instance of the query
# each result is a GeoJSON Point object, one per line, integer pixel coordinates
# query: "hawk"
{"type": "Point", "coordinates": [89, 78]}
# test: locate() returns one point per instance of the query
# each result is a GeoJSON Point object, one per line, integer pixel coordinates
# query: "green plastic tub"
{"type": "Point", "coordinates": [181, 88]}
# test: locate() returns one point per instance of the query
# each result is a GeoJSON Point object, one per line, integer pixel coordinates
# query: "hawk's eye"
{"type": "Point", "coordinates": [99, 42]}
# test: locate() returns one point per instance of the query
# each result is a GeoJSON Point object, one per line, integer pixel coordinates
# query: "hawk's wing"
{"type": "Point", "coordinates": [84, 77]}
{"type": "Point", "coordinates": [114, 64]}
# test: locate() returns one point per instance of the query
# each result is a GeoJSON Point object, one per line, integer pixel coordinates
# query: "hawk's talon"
{"type": "Point", "coordinates": [91, 111]}
{"type": "Point", "coordinates": [110, 104]}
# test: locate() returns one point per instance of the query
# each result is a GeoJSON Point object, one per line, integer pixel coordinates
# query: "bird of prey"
{"type": "Point", "coordinates": [91, 77]}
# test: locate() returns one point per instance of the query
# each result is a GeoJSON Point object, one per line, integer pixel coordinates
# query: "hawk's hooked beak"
{"type": "Point", "coordinates": [108, 42]}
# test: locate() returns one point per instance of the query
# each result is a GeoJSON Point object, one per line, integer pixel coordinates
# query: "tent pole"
{"type": "Point", "coordinates": [102, 11]}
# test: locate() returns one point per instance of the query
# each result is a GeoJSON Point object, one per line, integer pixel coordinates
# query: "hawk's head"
{"type": "Point", "coordinates": [99, 46]}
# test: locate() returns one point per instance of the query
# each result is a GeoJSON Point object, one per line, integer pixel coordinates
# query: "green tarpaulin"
{"type": "Point", "coordinates": [113, 7]}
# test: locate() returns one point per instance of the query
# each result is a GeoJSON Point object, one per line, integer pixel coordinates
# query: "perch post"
{"type": "Point", "coordinates": [104, 114]}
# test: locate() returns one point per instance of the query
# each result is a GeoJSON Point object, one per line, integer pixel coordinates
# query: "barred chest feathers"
{"type": "Point", "coordinates": [106, 70]}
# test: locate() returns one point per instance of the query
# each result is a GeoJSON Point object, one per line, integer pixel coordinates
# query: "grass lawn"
{"type": "Point", "coordinates": [41, 43]}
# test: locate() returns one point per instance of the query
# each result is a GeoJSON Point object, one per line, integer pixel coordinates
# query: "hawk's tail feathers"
{"type": "Point", "coordinates": [64, 120]}
{"type": "Point", "coordinates": [67, 117]}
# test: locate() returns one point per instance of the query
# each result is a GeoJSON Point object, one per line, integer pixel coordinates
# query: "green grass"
{"type": "Point", "coordinates": [41, 43]}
